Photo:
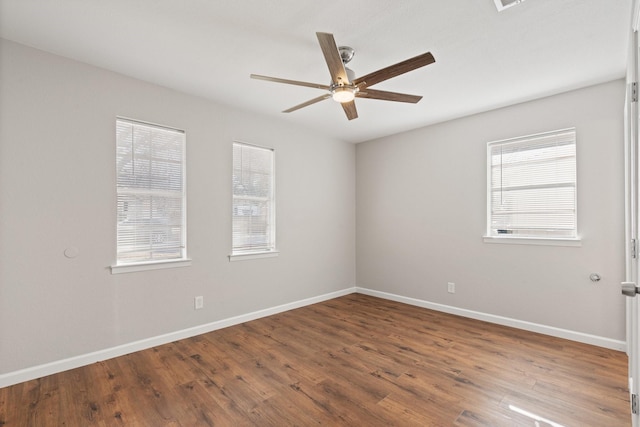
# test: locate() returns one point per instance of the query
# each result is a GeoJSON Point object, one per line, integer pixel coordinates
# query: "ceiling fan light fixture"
{"type": "Point", "coordinates": [343, 94]}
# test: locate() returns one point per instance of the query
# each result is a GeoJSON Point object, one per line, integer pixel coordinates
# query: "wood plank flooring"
{"type": "Point", "coordinates": [350, 361]}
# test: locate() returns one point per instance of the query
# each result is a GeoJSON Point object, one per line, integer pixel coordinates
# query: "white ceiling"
{"type": "Point", "coordinates": [484, 58]}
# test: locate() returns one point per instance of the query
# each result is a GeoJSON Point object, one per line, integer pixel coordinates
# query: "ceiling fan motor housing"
{"type": "Point", "coordinates": [350, 74]}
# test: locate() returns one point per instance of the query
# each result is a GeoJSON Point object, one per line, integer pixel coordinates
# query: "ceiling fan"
{"type": "Point", "coordinates": [345, 87]}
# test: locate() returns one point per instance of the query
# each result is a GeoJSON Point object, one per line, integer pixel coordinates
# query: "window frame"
{"type": "Point", "coordinates": [551, 240]}
{"type": "Point", "coordinates": [121, 266]}
{"type": "Point", "coordinates": [270, 249]}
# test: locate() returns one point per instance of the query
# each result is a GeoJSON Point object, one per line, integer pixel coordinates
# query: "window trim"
{"type": "Point", "coordinates": [253, 255]}
{"type": "Point", "coordinates": [155, 265]}
{"type": "Point", "coordinates": [184, 260]}
{"type": "Point", "coordinates": [537, 241]}
{"type": "Point", "coordinates": [528, 240]}
{"type": "Point", "coordinates": [273, 251]}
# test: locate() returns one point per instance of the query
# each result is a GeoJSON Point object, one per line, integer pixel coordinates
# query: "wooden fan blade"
{"type": "Point", "coordinates": [388, 96]}
{"type": "Point", "coordinates": [395, 70]}
{"type": "Point", "coordinates": [289, 82]}
{"type": "Point", "coordinates": [350, 110]}
{"type": "Point", "coordinates": [333, 59]}
{"type": "Point", "coordinates": [306, 104]}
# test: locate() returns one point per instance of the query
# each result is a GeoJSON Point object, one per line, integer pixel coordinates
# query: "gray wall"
{"type": "Point", "coordinates": [57, 190]}
{"type": "Point", "coordinates": [421, 215]}
{"type": "Point", "coordinates": [420, 199]}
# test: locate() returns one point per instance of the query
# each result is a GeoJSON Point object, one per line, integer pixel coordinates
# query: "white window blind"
{"type": "Point", "coordinates": [151, 200]}
{"type": "Point", "coordinates": [532, 186]}
{"type": "Point", "coordinates": [253, 228]}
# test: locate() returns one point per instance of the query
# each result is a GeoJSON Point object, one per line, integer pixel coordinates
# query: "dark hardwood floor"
{"type": "Point", "coordinates": [351, 361]}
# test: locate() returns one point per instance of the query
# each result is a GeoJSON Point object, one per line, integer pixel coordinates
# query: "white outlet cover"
{"type": "Point", "coordinates": [199, 302]}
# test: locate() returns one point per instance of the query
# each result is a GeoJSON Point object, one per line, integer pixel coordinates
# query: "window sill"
{"type": "Point", "coordinates": [158, 265]}
{"type": "Point", "coordinates": [252, 255]}
{"type": "Point", "coordinates": [533, 241]}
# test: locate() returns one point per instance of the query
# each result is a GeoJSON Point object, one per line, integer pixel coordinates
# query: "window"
{"type": "Point", "coordinates": [253, 230]}
{"type": "Point", "coordinates": [532, 187]}
{"type": "Point", "coordinates": [151, 199]}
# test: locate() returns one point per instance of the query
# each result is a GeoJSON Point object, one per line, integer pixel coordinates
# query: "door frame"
{"type": "Point", "coordinates": [631, 212]}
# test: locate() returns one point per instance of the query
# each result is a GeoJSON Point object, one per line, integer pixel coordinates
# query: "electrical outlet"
{"type": "Point", "coordinates": [199, 302]}
{"type": "Point", "coordinates": [451, 288]}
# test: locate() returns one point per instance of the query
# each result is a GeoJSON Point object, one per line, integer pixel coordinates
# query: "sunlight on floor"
{"type": "Point", "coordinates": [534, 417]}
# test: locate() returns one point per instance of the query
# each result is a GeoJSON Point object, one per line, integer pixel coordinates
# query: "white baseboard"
{"type": "Point", "coordinates": [89, 358]}
{"type": "Point", "coordinates": [505, 321]}
{"type": "Point", "coordinates": [97, 356]}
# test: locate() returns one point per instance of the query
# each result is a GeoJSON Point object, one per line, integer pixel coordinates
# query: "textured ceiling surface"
{"type": "Point", "coordinates": [485, 59]}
